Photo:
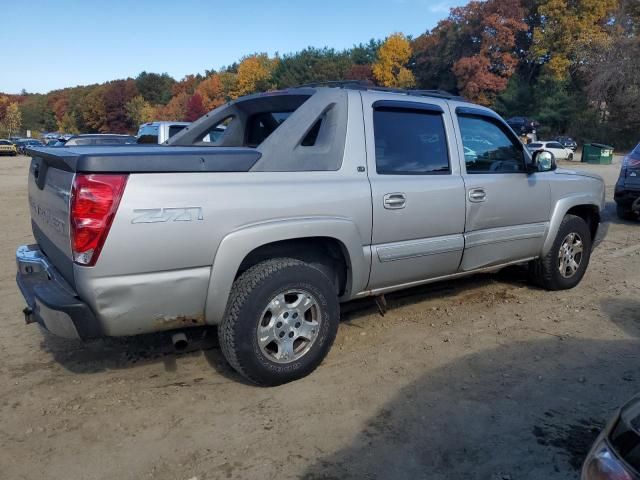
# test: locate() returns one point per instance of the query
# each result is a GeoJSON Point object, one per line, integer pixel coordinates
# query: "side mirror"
{"type": "Point", "coordinates": [543, 161]}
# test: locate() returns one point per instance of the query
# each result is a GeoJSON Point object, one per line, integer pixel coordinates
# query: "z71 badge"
{"type": "Point", "coordinates": [160, 215]}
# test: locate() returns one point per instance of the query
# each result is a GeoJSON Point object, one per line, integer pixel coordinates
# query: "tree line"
{"type": "Point", "coordinates": [569, 64]}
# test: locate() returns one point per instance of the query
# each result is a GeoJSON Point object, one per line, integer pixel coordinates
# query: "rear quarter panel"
{"type": "Point", "coordinates": [155, 275]}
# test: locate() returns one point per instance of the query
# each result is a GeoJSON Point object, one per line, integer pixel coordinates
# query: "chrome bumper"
{"type": "Point", "coordinates": [51, 302]}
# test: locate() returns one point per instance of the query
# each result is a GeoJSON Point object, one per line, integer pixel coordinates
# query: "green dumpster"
{"type": "Point", "coordinates": [597, 153]}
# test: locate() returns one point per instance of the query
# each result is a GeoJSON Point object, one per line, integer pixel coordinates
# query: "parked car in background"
{"type": "Point", "coordinates": [522, 125]}
{"type": "Point", "coordinates": [93, 139]}
{"type": "Point", "coordinates": [159, 132]}
{"type": "Point", "coordinates": [627, 191]}
{"type": "Point", "coordinates": [51, 136]}
{"type": "Point", "coordinates": [8, 148]}
{"type": "Point", "coordinates": [25, 143]}
{"type": "Point", "coordinates": [308, 197]}
{"type": "Point", "coordinates": [567, 142]}
{"type": "Point", "coordinates": [560, 152]}
{"type": "Point", "coordinates": [616, 453]}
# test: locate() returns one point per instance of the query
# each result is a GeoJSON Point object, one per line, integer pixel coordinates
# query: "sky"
{"type": "Point", "coordinates": [62, 43]}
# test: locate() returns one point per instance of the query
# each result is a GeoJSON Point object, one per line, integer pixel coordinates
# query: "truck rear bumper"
{"type": "Point", "coordinates": [50, 300]}
{"type": "Point", "coordinates": [626, 196]}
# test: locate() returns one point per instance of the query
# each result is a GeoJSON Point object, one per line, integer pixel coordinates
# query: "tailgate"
{"type": "Point", "coordinates": [49, 195]}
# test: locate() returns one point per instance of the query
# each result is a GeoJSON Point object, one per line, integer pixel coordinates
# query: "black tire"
{"type": "Point", "coordinates": [571, 157]}
{"type": "Point", "coordinates": [250, 295]}
{"type": "Point", "coordinates": [624, 213]}
{"type": "Point", "coordinates": [546, 271]}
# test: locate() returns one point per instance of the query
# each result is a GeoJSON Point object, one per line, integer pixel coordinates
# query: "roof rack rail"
{"type": "Point", "coordinates": [334, 83]}
{"type": "Point", "coordinates": [364, 85]}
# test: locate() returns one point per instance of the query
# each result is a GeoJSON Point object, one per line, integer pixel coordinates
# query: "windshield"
{"type": "Point", "coordinates": [636, 151]}
{"type": "Point", "coordinates": [534, 145]}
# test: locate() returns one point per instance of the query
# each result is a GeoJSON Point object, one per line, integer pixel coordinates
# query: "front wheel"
{"type": "Point", "coordinates": [281, 320]}
{"type": "Point", "coordinates": [566, 263]}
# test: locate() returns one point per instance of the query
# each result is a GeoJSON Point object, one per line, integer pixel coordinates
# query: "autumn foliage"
{"type": "Point", "coordinates": [571, 64]}
{"type": "Point", "coordinates": [390, 70]}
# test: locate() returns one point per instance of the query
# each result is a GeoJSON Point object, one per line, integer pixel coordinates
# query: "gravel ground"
{"type": "Point", "coordinates": [486, 378]}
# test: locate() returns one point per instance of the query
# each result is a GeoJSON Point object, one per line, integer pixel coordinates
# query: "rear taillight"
{"type": "Point", "coordinates": [94, 201]}
{"type": "Point", "coordinates": [630, 162]}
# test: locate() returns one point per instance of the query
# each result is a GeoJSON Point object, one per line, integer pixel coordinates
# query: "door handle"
{"type": "Point", "coordinates": [395, 201]}
{"type": "Point", "coordinates": [477, 195]}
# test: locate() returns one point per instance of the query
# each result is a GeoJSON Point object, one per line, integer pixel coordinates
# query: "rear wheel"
{"type": "Point", "coordinates": [571, 157]}
{"type": "Point", "coordinates": [281, 321]}
{"type": "Point", "coordinates": [566, 263]}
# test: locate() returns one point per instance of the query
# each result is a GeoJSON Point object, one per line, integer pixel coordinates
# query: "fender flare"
{"type": "Point", "coordinates": [234, 248]}
{"type": "Point", "coordinates": [560, 209]}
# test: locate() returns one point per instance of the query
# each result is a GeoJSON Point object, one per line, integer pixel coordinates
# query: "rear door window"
{"type": "Point", "coordinates": [410, 142]}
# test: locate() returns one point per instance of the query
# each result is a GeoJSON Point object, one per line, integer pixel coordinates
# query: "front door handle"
{"type": "Point", "coordinates": [395, 201]}
{"type": "Point", "coordinates": [477, 195]}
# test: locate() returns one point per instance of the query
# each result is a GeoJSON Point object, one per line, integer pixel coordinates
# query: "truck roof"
{"type": "Point", "coordinates": [359, 85]}
{"type": "Point", "coordinates": [165, 122]}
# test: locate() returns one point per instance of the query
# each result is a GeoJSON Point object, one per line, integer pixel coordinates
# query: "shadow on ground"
{"type": "Point", "coordinates": [520, 411]}
{"type": "Point", "coordinates": [470, 287]}
{"type": "Point", "coordinates": [624, 313]}
{"type": "Point", "coordinates": [128, 352]}
{"type": "Point", "coordinates": [609, 215]}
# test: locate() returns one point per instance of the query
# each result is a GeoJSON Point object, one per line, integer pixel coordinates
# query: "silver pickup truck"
{"type": "Point", "coordinates": [309, 197]}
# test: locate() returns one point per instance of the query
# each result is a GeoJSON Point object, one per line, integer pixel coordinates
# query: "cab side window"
{"type": "Point", "coordinates": [488, 148]}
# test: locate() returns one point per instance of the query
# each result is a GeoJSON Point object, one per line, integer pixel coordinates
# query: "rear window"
{"type": "Point", "coordinates": [5, 142]}
{"type": "Point", "coordinates": [173, 129]}
{"type": "Point", "coordinates": [148, 134]}
{"type": "Point", "coordinates": [535, 145]}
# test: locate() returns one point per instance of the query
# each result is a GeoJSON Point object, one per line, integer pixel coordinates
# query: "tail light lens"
{"type": "Point", "coordinates": [94, 202]}
{"type": "Point", "coordinates": [629, 161]}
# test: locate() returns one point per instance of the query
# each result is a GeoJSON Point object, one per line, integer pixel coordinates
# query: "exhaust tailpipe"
{"type": "Point", "coordinates": [28, 315]}
{"type": "Point", "coordinates": [180, 341]}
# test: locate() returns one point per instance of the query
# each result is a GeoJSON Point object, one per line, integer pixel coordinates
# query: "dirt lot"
{"type": "Point", "coordinates": [484, 378]}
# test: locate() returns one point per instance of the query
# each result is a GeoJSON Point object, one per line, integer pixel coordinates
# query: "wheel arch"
{"type": "Point", "coordinates": [583, 206]}
{"type": "Point", "coordinates": [333, 244]}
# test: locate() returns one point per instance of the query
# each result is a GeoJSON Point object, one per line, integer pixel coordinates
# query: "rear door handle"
{"type": "Point", "coordinates": [395, 201]}
{"type": "Point", "coordinates": [477, 195]}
